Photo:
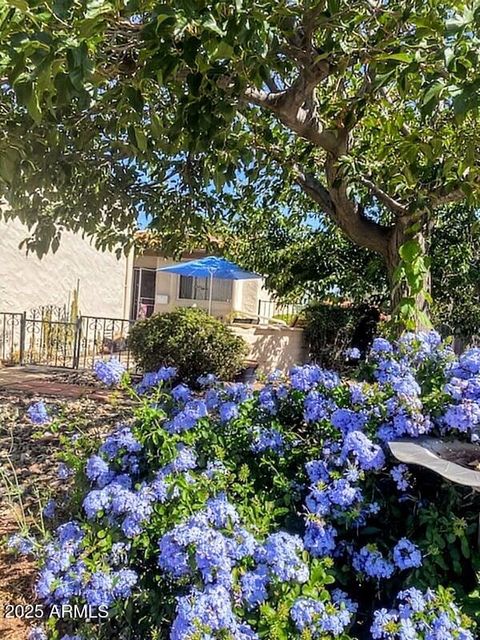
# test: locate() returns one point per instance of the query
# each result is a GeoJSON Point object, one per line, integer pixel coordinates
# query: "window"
{"type": "Point", "coordinates": [143, 299]}
{"type": "Point", "coordinates": [193, 288]}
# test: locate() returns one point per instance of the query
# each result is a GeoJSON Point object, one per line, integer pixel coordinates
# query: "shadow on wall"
{"type": "Point", "coordinates": [273, 347]}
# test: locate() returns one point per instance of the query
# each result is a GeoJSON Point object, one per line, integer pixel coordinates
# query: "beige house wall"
{"type": "Point", "coordinates": [27, 282]}
{"type": "Point", "coordinates": [245, 293]}
{"type": "Point", "coordinates": [273, 347]}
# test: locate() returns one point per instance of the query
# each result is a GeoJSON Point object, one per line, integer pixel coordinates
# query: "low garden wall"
{"type": "Point", "coordinates": [273, 347]}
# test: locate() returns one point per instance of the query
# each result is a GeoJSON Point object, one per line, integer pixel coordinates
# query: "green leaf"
{"type": "Point", "coordinates": [223, 50]}
{"type": "Point", "coordinates": [211, 24]}
{"type": "Point", "coordinates": [465, 547]}
{"type": "Point", "coordinates": [141, 139]}
{"type": "Point", "coordinates": [33, 106]}
{"type": "Point", "coordinates": [410, 250]}
{"type": "Point", "coordinates": [97, 8]}
{"type": "Point", "coordinates": [449, 56]}
{"type": "Point", "coordinates": [432, 93]}
{"type": "Point", "coordinates": [20, 4]}
{"type": "Point", "coordinates": [27, 95]}
{"type": "Point", "coordinates": [398, 57]}
{"type": "Point", "coordinates": [8, 165]}
{"type": "Point", "coordinates": [156, 125]}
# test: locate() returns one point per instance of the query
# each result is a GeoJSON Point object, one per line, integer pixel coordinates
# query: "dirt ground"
{"type": "Point", "coordinates": [29, 459]}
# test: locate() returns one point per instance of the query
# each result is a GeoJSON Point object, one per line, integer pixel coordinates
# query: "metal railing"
{"type": "Point", "coordinates": [49, 342]}
{"type": "Point", "coordinates": [48, 337]}
{"type": "Point", "coordinates": [288, 313]}
{"type": "Point", "coordinates": [12, 338]}
{"type": "Point", "coordinates": [100, 337]}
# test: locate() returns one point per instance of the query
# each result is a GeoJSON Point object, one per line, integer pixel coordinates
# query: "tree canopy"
{"type": "Point", "coordinates": [190, 111]}
{"type": "Point", "coordinates": [307, 263]}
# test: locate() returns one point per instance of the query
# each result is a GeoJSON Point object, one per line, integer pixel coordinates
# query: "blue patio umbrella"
{"type": "Point", "coordinates": [211, 267]}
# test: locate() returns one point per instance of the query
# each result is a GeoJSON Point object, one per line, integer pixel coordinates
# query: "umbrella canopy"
{"type": "Point", "coordinates": [211, 267]}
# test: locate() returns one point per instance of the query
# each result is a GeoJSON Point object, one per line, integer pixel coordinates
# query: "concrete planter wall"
{"type": "Point", "coordinates": [273, 347]}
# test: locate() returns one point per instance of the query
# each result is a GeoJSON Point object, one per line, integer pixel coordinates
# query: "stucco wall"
{"type": "Point", "coordinates": [273, 347]}
{"type": "Point", "coordinates": [246, 296]}
{"type": "Point", "coordinates": [26, 282]}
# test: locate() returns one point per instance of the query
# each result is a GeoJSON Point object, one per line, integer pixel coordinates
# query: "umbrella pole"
{"type": "Point", "coordinates": [210, 291]}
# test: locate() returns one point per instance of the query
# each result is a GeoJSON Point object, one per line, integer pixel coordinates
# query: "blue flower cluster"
{"type": "Point", "coordinates": [38, 633]}
{"type": "Point", "coordinates": [268, 399]}
{"type": "Point", "coordinates": [308, 376]}
{"type": "Point", "coordinates": [353, 354]}
{"type": "Point", "coordinates": [370, 561]}
{"type": "Point", "coordinates": [400, 474]}
{"type": "Point", "coordinates": [396, 369]}
{"type": "Point", "coordinates": [407, 555]}
{"type": "Point", "coordinates": [208, 613]}
{"type": "Point", "coordinates": [209, 547]}
{"type": "Point", "coordinates": [322, 619]}
{"type": "Point", "coordinates": [110, 372]}
{"type": "Point", "coordinates": [221, 402]}
{"type": "Point", "coordinates": [268, 440]}
{"type": "Point", "coordinates": [65, 576]}
{"type": "Point", "coordinates": [367, 455]}
{"type": "Point", "coordinates": [155, 378]}
{"type": "Point", "coordinates": [405, 418]}
{"type": "Point", "coordinates": [63, 471]}
{"type": "Point", "coordinates": [114, 493]}
{"type": "Point", "coordinates": [21, 544]}
{"type": "Point", "coordinates": [317, 406]}
{"type": "Point", "coordinates": [426, 616]}
{"type": "Point", "coordinates": [462, 414]}
{"type": "Point", "coordinates": [221, 565]}
{"type": "Point", "coordinates": [38, 413]}
{"type": "Point", "coordinates": [49, 509]}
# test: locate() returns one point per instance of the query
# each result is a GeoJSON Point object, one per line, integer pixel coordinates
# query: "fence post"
{"type": "Point", "coordinates": [23, 333]}
{"type": "Point", "coordinates": [77, 342]}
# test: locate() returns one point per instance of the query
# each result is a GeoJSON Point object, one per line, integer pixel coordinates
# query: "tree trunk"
{"type": "Point", "coordinates": [400, 289]}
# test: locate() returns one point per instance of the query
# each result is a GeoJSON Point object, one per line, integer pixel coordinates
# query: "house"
{"type": "Point", "coordinates": [271, 345]}
{"type": "Point", "coordinates": [128, 287]}
{"type": "Point", "coordinates": [108, 293]}
{"type": "Point", "coordinates": [102, 281]}
{"type": "Point", "coordinates": [155, 291]}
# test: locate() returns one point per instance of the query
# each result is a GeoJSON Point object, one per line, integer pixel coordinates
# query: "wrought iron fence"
{"type": "Point", "coordinates": [11, 338]}
{"type": "Point", "coordinates": [48, 336]}
{"type": "Point", "coordinates": [49, 342]}
{"type": "Point", "coordinates": [99, 337]}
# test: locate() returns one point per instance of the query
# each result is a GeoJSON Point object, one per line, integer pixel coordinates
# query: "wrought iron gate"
{"type": "Point", "coordinates": [12, 338]}
{"type": "Point", "coordinates": [48, 337]}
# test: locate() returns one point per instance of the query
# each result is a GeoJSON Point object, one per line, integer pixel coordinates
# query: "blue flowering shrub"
{"type": "Point", "coordinates": [234, 513]}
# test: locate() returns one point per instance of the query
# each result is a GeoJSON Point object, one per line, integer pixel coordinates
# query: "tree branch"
{"type": "Point", "coordinates": [346, 214]}
{"type": "Point", "coordinates": [396, 207]}
{"type": "Point", "coordinates": [302, 121]}
{"type": "Point", "coordinates": [315, 189]}
{"type": "Point", "coordinates": [442, 197]}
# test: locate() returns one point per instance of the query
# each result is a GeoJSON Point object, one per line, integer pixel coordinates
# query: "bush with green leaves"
{"type": "Point", "coordinates": [235, 513]}
{"type": "Point", "coordinates": [190, 340]}
{"type": "Point", "coordinates": [329, 330]}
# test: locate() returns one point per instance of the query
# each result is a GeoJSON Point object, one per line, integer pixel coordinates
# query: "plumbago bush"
{"type": "Point", "coordinates": [234, 513]}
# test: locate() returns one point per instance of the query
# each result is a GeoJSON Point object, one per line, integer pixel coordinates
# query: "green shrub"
{"type": "Point", "coordinates": [328, 331]}
{"type": "Point", "coordinates": [190, 340]}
